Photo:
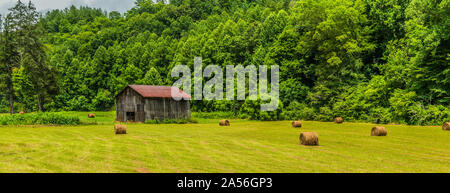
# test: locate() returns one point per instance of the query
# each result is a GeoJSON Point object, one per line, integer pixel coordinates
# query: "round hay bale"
{"type": "Point", "coordinates": [224, 123]}
{"type": "Point", "coordinates": [120, 129]}
{"type": "Point", "coordinates": [309, 139]}
{"type": "Point", "coordinates": [379, 131]}
{"type": "Point", "coordinates": [91, 116]}
{"type": "Point", "coordinates": [446, 126]}
{"type": "Point", "coordinates": [338, 120]}
{"type": "Point", "coordinates": [296, 124]}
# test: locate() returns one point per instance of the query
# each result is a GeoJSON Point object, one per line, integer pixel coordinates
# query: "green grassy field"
{"type": "Point", "coordinates": [245, 146]}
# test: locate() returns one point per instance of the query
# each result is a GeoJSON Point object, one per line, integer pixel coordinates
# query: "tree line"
{"type": "Point", "coordinates": [369, 60]}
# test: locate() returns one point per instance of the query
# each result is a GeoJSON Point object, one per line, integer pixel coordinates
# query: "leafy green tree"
{"type": "Point", "coordinates": [387, 20]}
{"type": "Point", "coordinates": [152, 77]}
{"type": "Point", "coordinates": [428, 45]}
{"type": "Point", "coordinates": [335, 38]}
{"type": "Point", "coordinates": [23, 90]}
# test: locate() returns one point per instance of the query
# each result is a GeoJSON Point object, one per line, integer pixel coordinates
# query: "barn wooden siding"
{"type": "Point", "coordinates": [149, 108]}
{"type": "Point", "coordinates": [166, 108]}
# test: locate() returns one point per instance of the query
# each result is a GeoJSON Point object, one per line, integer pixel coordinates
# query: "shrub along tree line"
{"type": "Point", "coordinates": [370, 60]}
{"type": "Point", "coordinates": [40, 119]}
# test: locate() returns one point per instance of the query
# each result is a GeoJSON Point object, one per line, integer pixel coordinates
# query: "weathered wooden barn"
{"type": "Point", "coordinates": [139, 103]}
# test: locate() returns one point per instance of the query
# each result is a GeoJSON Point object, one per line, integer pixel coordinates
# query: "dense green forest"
{"type": "Point", "coordinates": [368, 60]}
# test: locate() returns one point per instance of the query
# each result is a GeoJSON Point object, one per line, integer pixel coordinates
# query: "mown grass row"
{"type": "Point", "coordinates": [245, 146]}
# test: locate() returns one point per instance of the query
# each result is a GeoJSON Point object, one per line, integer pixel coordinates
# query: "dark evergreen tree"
{"type": "Point", "coordinates": [9, 58]}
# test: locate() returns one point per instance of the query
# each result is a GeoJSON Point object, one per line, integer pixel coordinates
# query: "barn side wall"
{"type": "Point", "coordinates": [166, 108]}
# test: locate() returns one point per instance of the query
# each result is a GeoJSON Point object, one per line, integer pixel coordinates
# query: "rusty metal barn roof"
{"type": "Point", "coordinates": [148, 91]}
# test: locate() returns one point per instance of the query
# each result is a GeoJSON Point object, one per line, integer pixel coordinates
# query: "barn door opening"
{"type": "Point", "coordinates": [131, 116]}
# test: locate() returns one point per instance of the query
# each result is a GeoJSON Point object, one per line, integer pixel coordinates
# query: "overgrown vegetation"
{"type": "Point", "coordinates": [214, 115]}
{"type": "Point", "coordinates": [40, 119]}
{"type": "Point", "coordinates": [368, 60]}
